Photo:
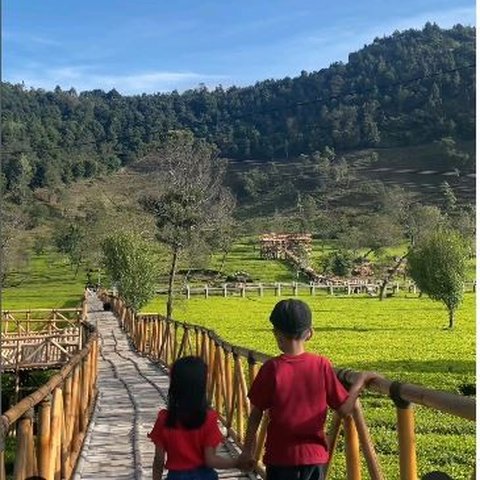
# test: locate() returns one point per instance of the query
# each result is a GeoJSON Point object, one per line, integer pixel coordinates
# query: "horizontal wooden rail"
{"type": "Point", "coordinates": [231, 370]}
{"type": "Point", "coordinates": [49, 425]}
{"type": "Point", "coordinates": [352, 287]}
{"type": "Point", "coordinates": [457, 405]}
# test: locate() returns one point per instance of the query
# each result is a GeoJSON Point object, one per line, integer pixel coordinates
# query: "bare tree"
{"type": "Point", "coordinates": [191, 202]}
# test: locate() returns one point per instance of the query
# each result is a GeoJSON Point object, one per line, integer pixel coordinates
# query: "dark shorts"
{"type": "Point", "coordinates": [202, 473]}
{"type": "Point", "coordinates": [300, 472]}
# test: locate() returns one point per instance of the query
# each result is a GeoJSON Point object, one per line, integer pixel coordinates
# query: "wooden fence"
{"type": "Point", "coordinates": [40, 338]}
{"type": "Point", "coordinates": [231, 370]}
{"type": "Point", "coordinates": [49, 425]}
{"type": "Point", "coordinates": [296, 288]}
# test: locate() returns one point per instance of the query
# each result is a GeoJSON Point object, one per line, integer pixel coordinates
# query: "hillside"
{"type": "Point", "coordinates": [410, 88]}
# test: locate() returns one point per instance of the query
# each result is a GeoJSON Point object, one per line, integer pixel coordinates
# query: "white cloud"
{"type": "Point", "coordinates": [316, 50]}
{"type": "Point", "coordinates": [85, 78]}
{"type": "Point", "coordinates": [28, 39]}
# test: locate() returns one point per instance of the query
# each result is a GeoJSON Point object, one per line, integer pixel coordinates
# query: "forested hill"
{"type": "Point", "coordinates": [409, 88]}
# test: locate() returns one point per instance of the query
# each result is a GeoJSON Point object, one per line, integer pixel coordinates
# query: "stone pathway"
{"type": "Point", "coordinates": [131, 391]}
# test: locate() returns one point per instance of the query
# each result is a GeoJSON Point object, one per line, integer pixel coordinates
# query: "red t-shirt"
{"type": "Point", "coordinates": [185, 448]}
{"type": "Point", "coordinates": [296, 390]}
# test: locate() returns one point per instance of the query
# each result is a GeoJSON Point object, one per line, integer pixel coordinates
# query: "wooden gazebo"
{"type": "Point", "coordinates": [274, 245]}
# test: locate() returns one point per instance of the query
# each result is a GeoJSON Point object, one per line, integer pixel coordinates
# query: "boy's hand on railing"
{"type": "Point", "coordinates": [246, 462]}
{"type": "Point", "coordinates": [367, 377]}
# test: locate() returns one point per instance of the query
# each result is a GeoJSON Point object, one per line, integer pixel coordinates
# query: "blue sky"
{"type": "Point", "coordinates": [146, 46]}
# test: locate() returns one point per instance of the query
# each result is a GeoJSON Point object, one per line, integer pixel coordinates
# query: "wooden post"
{"type": "Point", "coordinates": [31, 452]}
{"type": "Point", "coordinates": [243, 290]}
{"type": "Point", "coordinates": [206, 291]}
{"type": "Point", "coordinates": [252, 370]}
{"type": "Point", "coordinates": [278, 289]}
{"type": "Point", "coordinates": [228, 384]}
{"type": "Point", "coordinates": [262, 434]}
{"type": "Point", "coordinates": [43, 436]}
{"type": "Point", "coordinates": [55, 430]}
{"type": "Point", "coordinates": [3, 474]}
{"type": "Point", "coordinates": [237, 381]}
{"type": "Point", "coordinates": [24, 425]}
{"type": "Point", "coordinates": [85, 366]}
{"type": "Point", "coordinates": [218, 378]}
{"type": "Point", "coordinates": [406, 434]}
{"type": "Point", "coordinates": [187, 292]}
{"type": "Point", "coordinates": [295, 289]}
{"type": "Point", "coordinates": [352, 450]}
{"type": "Point", "coordinates": [312, 289]}
{"type": "Point", "coordinates": [331, 289]}
{"type": "Point", "coordinates": [406, 441]}
{"type": "Point", "coordinates": [332, 439]}
{"type": "Point", "coordinates": [260, 290]}
{"type": "Point", "coordinates": [366, 444]}
{"type": "Point", "coordinates": [225, 292]}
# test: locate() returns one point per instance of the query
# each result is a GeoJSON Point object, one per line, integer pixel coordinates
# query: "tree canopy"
{"type": "Point", "coordinates": [130, 263]}
{"type": "Point", "coordinates": [408, 88]}
{"type": "Point", "coordinates": [437, 264]}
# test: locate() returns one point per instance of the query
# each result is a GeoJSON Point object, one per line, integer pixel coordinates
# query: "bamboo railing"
{"type": "Point", "coordinates": [49, 425]}
{"type": "Point", "coordinates": [231, 370]}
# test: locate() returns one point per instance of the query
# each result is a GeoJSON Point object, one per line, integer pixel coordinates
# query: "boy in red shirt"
{"type": "Point", "coordinates": [296, 388]}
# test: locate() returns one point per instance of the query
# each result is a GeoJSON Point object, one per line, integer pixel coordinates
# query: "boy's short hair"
{"type": "Point", "coordinates": [291, 317]}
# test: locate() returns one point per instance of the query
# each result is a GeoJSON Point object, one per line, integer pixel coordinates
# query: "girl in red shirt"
{"type": "Point", "coordinates": [187, 433]}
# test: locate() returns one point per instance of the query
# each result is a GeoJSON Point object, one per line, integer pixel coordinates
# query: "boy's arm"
{"type": "Point", "coordinates": [363, 379]}
{"type": "Point", "coordinates": [251, 435]}
{"type": "Point", "coordinates": [158, 463]}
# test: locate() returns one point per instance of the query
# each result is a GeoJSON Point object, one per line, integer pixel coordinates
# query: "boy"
{"type": "Point", "coordinates": [296, 388]}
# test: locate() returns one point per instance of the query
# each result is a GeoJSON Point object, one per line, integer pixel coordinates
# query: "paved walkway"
{"type": "Point", "coordinates": [131, 391]}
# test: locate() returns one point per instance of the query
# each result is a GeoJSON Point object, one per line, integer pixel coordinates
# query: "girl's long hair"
{"type": "Point", "coordinates": [187, 395]}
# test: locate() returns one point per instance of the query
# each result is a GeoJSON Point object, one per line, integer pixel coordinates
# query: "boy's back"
{"type": "Point", "coordinates": [296, 390]}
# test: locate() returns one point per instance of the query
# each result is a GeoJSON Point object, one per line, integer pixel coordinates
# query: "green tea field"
{"type": "Point", "coordinates": [47, 281]}
{"type": "Point", "coordinates": [402, 338]}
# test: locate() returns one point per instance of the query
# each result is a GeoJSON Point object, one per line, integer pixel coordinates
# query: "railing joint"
{"type": "Point", "coordinates": [394, 393]}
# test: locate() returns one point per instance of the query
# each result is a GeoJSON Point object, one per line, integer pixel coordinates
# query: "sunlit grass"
{"type": "Point", "coordinates": [47, 281]}
{"type": "Point", "coordinates": [403, 338]}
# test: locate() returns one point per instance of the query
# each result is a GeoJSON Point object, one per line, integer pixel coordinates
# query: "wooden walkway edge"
{"type": "Point", "coordinates": [131, 391]}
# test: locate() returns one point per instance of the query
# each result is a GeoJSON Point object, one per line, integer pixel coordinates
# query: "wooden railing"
{"type": "Point", "coordinates": [40, 338]}
{"type": "Point", "coordinates": [48, 427]}
{"type": "Point", "coordinates": [231, 370]}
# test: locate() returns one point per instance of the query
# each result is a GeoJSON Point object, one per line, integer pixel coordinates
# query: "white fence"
{"type": "Point", "coordinates": [297, 288]}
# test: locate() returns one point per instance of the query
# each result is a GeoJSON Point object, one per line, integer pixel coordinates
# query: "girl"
{"type": "Point", "coordinates": [187, 432]}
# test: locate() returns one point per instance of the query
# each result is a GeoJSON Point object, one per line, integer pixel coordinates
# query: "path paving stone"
{"type": "Point", "coordinates": [131, 391]}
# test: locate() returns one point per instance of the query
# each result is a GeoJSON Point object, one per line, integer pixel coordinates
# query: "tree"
{"type": "Point", "coordinates": [73, 242]}
{"type": "Point", "coordinates": [192, 201]}
{"type": "Point", "coordinates": [449, 199]}
{"type": "Point", "coordinates": [130, 263]}
{"type": "Point", "coordinates": [437, 265]}
{"type": "Point", "coordinates": [339, 263]}
{"type": "Point", "coordinates": [12, 248]}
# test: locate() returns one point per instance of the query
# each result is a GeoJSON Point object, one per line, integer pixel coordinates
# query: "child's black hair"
{"type": "Point", "coordinates": [187, 395]}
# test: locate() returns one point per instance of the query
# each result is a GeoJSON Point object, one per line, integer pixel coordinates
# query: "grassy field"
{"type": "Point", "coordinates": [46, 281]}
{"type": "Point", "coordinates": [402, 338]}
{"type": "Point", "coordinates": [245, 257]}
